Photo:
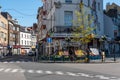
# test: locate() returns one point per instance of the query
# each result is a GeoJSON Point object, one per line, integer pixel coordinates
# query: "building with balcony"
{"type": "Point", "coordinates": [25, 40]}
{"type": "Point", "coordinates": [13, 34]}
{"type": "Point", "coordinates": [3, 34]}
{"type": "Point", "coordinates": [55, 21]}
{"type": "Point", "coordinates": [112, 23]}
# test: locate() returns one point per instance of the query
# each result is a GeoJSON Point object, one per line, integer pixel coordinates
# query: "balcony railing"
{"type": "Point", "coordinates": [62, 29]}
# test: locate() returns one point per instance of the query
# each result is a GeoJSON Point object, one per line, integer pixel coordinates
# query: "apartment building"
{"type": "Point", "coordinates": [3, 34]}
{"type": "Point", "coordinates": [112, 24]}
{"type": "Point", "coordinates": [13, 34]}
{"type": "Point", "coordinates": [25, 40]}
{"type": "Point", "coordinates": [55, 21]}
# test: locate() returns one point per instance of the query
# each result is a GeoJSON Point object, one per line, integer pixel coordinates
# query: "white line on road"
{"type": "Point", "coordinates": [7, 70]}
{"type": "Point", "coordinates": [14, 70]}
{"type": "Point", "coordinates": [72, 74]}
{"type": "Point", "coordinates": [39, 71]}
{"type": "Point", "coordinates": [30, 71]}
{"type": "Point", "coordinates": [59, 73]}
{"type": "Point", "coordinates": [17, 61]}
{"type": "Point", "coordinates": [1, 69]}
{"type": "Point", "coordinates": [85, 75]}
{"type": "Point", "coordinates": [102, 77]}
{"type": "Point", "coordinates": [22, 70]}
{"type": "Point", "coordinates": [48, 72]}
{"type": "Point", "coordinates": [5, 62]}
{"type": "Point", "coordinates": [11, 62]}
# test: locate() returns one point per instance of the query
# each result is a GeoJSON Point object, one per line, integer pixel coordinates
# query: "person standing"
{"type": "Point", "coordinates": [88, 51]}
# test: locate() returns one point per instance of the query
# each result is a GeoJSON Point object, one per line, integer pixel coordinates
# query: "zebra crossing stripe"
{"type": "Point", "coordinates": [22, 70]}
{"type": "Point", "coordinates": [59, 73]}
{"type": "Point", "coordinates": [85, 75]}
{"type": "Point", "coordinates": [102, 77]}
{"type": "Point", "coordinates": [14, 70]}
{"type": "Point", "coordinates": [39, 71]}
{"type": "Point", "coordinates": [48, 72]}
{"type": "Point", "coordinates": [1, 69]}
{"type": "Point", "coordinates": [11, 62]}
{"type": "Point", "coordinates": [17, 61]}
{"type": "Point", "coordinates": [5, 62]}
{"type": "Point", "coordinates": [72, 74]}
{"type": "Point", "coordinates": [7, 70]}
{"type": "Point", "coordinates": [30, 71]}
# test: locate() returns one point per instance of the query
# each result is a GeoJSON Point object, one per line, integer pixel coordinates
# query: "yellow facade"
{"type": "Point", "coordinates": [3, 31]}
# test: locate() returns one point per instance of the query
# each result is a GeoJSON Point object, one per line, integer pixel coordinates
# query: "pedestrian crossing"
{"type": "Point", "coordinates": [60, 73]}
{"type": "Point", "coordinates": [5, 62]}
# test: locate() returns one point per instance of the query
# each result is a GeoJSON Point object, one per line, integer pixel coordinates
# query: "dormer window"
{"type": "Point", "coordinates": [68, 1]}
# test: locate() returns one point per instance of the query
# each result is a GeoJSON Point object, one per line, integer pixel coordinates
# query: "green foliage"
{"type": "Point", "coordinates": [83, 31]}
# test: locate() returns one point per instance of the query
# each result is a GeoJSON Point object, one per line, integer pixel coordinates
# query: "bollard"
{"type": "Point", "coordinates": [103, 56]}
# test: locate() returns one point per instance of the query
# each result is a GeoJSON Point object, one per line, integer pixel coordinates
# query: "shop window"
{"type": "Point", "coordinates": [68, 1]}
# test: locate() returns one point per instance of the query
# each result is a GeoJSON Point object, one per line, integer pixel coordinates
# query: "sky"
{"type": "Point", "coordinates": [25, 11]}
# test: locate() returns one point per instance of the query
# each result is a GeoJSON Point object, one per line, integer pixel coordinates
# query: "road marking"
{"type": "Point", "coordinates": [11, 62]}
{"type": "Point", "coordinates": [22, 70]}
{"type": "Point", "coordinates": [17, 61]}
{"type": "Point", "coordinates": [59, 73]}
{"type": "Point", "coordinates": [72, 74]}
{"type": "Point", "coordinates": [48, 72]}
{"type": "Point", "coordinates": [1, 69]}
{"type": "Point", "coordinates": [102, 77]}
{"type": "Point", "coordinates": [39, 71]}
{"type": "Point", "coordinates": [7, 70]}
{"type": "Point", "coordinates": [85, 75]}
{"type": "Point", "coordinates": [30, 71]}
{"type": "Point", "coordinates": [5, 62]}
{"type": "Point", "coordinates": [14, 70]}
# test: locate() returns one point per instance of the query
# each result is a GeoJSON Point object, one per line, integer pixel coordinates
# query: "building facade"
{"type": "Point", "coordinates": [3, 34]}
{"type": "Point", "coordinates": [25, 40]}
{"type": "Point", "coordinates": [112, 25]}
{"type": "Point", "coordinates": [13, 34]}
{"type": "Point", "coordinates": [55, 21]}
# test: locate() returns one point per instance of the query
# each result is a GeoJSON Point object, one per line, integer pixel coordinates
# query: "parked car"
{"type": "Point", "coordinates": [31, 53]}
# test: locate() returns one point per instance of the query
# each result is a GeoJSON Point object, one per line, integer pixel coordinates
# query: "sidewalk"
{"type": "Point", "coordinates": [107, 60]}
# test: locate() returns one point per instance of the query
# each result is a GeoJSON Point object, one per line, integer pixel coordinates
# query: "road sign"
{"type": "Point", "coordinates": [49, 40]}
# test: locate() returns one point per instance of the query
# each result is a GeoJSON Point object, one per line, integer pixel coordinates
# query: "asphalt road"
{"type": "Point", "coordinates": [23, 68]}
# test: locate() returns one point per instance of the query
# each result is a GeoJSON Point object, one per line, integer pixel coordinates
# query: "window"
{"type": "Point", "coordinates": [99, 26]}
{"type": "Point", "coordinates": [22, 35]}
{"type": "Point", "coordinates": [13, 35]}
{"type": "Point", "coordinates": [68, 17]}
{"type": "Point", "coordinates": [25, 35]}
{"type": "Point", "coordinates": [25, 42]}
{"type": "Point", "coordinates": [22, 42]}
{"type": "Point", "coordinates": [17, 29]}
{"type": "Point", "coordinates": [98, 6]}
{"type": "Point", "coordinates": [88, 2]}
{"type": "Point", "coordinates": [14, 28]}
{"type": "Point", "coordinates": [68, 1]}
{"type": "Point", "coordinates": [2, 24]}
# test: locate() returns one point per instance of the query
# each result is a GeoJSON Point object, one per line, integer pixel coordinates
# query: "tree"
{"type": "Point", "coordinates": [84, 27]}
{"type": "Point", "coordinates": [83, 32]}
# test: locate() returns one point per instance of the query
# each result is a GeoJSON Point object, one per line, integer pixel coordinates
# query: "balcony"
{"type": "Point", "coordinates": [62, 29]}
